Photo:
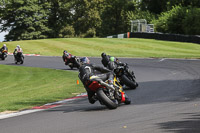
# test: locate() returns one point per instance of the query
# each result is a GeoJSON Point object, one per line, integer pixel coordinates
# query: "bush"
{"type": "Point", "coordinates": [191, 23]}
{"type": "Point", "coordinates": [171, 21]}
{"type": "Point", "coordinates": [67, 32]}
{"type": "Point", "coordinates": [137, 14]}
{"type": "Point", "coordinates": [179, 20]}
{"type": "Point", "coordinates": [90, 33]}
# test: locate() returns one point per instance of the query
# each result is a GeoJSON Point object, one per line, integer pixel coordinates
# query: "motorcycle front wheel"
{"type": "Point", "coordinates": [105, 100]}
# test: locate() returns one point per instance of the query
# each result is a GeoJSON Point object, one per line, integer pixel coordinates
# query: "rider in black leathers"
{"type": "Point", "coordinates": [111, 62]}
{"type": "Point", "coordinates": [4, 47]}
{"type": "Point", "coordinates": [69, 58]}
{"type": "Point", "coordinates": [87, 70]}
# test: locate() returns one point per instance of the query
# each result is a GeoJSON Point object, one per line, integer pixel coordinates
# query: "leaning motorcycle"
{"type": "Point", "coordinates": [72, 61]}
{"type": "Point", "coordinates": [125, 76]}
{"type": "Point", "coordinates": [110, 96]}
{"type": "Point", "coordinates": [19, 58]}
{"type": "Point", "coordinates": [3, 54]}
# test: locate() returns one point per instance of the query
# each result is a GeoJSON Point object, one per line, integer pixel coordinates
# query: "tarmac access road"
{"type": "Point", "coordinates": [167, 100]}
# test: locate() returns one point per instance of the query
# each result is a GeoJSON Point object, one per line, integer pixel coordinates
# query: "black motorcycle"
{"type": "Point", "coordinates": [75, 63]}
{"type": "Point", "coordinates": [3, 54]}
{"type": "Point", "coordinates": [19, 58]}
{"type": "Point", "coordinates": [125, 76]}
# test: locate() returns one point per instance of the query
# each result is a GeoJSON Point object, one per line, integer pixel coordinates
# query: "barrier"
{"type": "Point", "coordinates": [160, 36]}
{"type": "Point", "coordinates": [167, 37]}
{"type": "Point", "coordinates": [124, 35]}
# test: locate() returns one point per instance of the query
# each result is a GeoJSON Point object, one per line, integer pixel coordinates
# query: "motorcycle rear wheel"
{"type": "Point", "coordinates": [105, 100]}
{"type": "Point", "coordinates": [130, 83]}
{"type": "Point", "coordinates": [22, 60]}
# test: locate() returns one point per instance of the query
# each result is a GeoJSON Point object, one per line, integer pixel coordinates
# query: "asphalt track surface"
{"type": "Point", "coordinates": [167, 100]}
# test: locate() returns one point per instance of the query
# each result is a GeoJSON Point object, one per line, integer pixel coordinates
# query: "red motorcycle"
{"type": "Point", "coordinates": [110, 96]}
{"type": "Point", "coordinates": [71, 61]}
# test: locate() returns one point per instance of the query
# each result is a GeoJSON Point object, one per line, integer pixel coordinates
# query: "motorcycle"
{"type": "Point", "coordinates": [72, 61]}
{"type": "Point", "coordinates": [19, 57]}
{"type": "Point", "coordinates": [3, 54]}
{"type": "Point", "coordinates": [110, 96]}
{"type": "Point", "coordinates": [125, 76]}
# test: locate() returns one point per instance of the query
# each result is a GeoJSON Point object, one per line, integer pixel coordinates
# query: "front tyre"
{"type": "Point", "coordinates": [105, 100]}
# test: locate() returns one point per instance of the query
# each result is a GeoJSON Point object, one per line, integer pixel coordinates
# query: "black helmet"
{"type": "Point", "coordinates": [65, 51]}
{"type": "Point", "coordinates": [103, 54]}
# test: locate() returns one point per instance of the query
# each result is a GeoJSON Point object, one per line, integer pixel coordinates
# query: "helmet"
{"type": "Point", "coordinates": [65, 51]}
{"type": "Point", "coordinates": [85, 60]}
{"type": "Point", "coordinates": [4, 45]}
{"type": "Point", "coordinates": [103, 54]}
{"type": "Point", "coordinates": [18, 46]}
{"type": "Point", "coordinates": [112, 58]}
{"type": "Point", "coordinates": [117, 59]}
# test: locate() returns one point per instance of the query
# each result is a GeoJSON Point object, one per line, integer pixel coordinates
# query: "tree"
{"type": "Point", "coordinates": [114, 19]}
{"type": "Point", "coordinates": [86, 16]}
{"type": "Point", "coordinates": [60, 16]}
{"type": "Point", "coordinates": [183, 3]}
{"type": "Point", "coordinates": [154, 6]}
{"type": "Point", "coordinates": [171, 21]}
{"type": "Point", "coordinates": [191, 25]}
{"type": "Point", "coordinates": [25, 20]}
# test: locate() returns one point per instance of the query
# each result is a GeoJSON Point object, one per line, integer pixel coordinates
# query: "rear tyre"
{"type": "Point", "coordinates": [130, 83]}
{"type": "Point", "coordinates": [105, 100]}
{"type": "Point", "coordinates": [22, 60]}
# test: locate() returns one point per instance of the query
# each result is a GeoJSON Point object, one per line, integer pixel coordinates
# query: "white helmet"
{"type": "Point", "coordinates": [18, 46]}
{"type": "Point", "coordinates": [4, 45]}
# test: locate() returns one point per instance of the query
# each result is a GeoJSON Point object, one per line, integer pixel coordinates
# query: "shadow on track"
{"type": "Point", "coordinates": [190, 124]}
{"type": "Point", "coordinates": [165, 91]}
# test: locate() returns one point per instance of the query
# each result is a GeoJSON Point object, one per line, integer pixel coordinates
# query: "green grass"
{"type": "Point", "coordinates": [25, 87]}
{"type": "Point", "coordinates": [93, 47]}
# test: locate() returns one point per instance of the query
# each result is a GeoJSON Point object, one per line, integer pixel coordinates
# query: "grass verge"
{"type": "Point", "coordinates": [93, 47]}
{"type": "Point", "coordinates": [25, 87]}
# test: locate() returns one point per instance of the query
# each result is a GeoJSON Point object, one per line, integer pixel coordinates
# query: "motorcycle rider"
{"type": "Point", "coordinates": [69, 58]}
{"type": "Point", "coordinates": [4, 47]}
{"type": "Point", "coordinates": [105, 59]}
{"type": "Point", "coordinates": [111, 62]}
{"type": "Point", "coordinates": [65, 55]}
{"type": "Point", "coordinates": [87, 70]}
{"type": "Point", "coordinates": [17, 49]}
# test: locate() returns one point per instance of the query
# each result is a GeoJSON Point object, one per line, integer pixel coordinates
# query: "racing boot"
{"type": "Point", "coordinates": [127, 100]}
{"type": "Point", "coordinates": [92, 99]}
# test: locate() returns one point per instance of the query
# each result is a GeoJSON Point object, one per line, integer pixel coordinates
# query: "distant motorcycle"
{"type": "Point", "coordinates": [126, 77]}
{"type": "Point", "coordinates": [3, 54]}
{"type": "Point", "coordinates": [72, 61]}
{"type": "Point", "coordinates": [19, 57]}
{"type": "Point", "coordinates": [110, 96]}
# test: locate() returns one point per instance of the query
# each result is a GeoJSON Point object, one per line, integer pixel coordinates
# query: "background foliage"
{"type": "Point", "coordinates": [36, 19]}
